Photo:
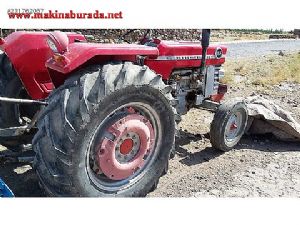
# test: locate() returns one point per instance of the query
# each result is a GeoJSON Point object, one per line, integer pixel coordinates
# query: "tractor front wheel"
{"type": "Point", "coordinates": [107, 131]}
{"type": "Point", "coordinates": [228, 125]}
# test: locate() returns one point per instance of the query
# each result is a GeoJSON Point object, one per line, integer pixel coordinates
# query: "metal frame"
{"type": "Point", "coordinates": [19, 131]}
{"type": "Point", "coordinates": [209, 105]}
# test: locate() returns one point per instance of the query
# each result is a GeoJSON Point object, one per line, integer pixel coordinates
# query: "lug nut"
{"type": "Point", "coordinates": [101, 151]}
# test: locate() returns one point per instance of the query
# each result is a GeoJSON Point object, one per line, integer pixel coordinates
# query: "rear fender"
{"type": "Point", "coordinates": [28, 53]}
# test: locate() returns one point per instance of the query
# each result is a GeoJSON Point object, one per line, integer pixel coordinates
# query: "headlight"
{"type": "Point", "coordinates": [218, 53]}
{"type": "Point", "coordinates": [52, 45]}
{"type": "Point", "coordinates": [58, 42]}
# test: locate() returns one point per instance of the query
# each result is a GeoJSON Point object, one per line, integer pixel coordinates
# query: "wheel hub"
{"type": "Point", "coordinates": [133, 141]}
{"type": "Point", "coordinates": [126, 146]}
{"type": "Point", "coordinates": [233, 127]}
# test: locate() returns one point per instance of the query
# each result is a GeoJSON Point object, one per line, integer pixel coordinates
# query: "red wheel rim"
{"type": "Point", "coordinates": [133, 141]}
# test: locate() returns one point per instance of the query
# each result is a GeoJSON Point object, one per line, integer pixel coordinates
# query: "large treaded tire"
{"type": "Point", "coordinates": [85, 99]}
{"type": "Point", "coordinates": [10, 86]}
{"type": "Point", "coordinates": [220, 121]}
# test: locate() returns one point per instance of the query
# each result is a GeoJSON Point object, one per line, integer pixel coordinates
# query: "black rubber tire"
{"type": "Point", "coordinates": [74, 110]}
{"type": "Point", "coordinates": [221, 118]}
{"type": "Point", "coordinates": [10, 86]}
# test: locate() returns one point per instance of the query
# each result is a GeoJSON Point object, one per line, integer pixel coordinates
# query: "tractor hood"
{"type": "Point", "coordinates": [182, 54]}
{"type": "Point", "coordinates": [80, 53]}
{"type": "Point", "coordinates": [186, 48]}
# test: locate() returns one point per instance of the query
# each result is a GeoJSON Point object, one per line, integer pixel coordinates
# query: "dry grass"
{"type": "Point", "coordinates": [266, 71]}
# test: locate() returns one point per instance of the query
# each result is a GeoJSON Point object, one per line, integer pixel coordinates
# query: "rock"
{"type": "Point", "coordinates": [89, 37]}
{"type": "Point", "coordinates": [281, 53]}
{"type": "Point", "coordinates": [215, 192]}
{"type": "Point", "coordinates": [22, 169]}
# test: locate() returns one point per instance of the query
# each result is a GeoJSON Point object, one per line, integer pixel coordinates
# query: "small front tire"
{"type": "Point", "coordinates": [228, 125]}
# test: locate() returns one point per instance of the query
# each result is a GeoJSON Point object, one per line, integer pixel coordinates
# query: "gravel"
{"type": "Point", "coordinates": [257, 167]}
{"type": "Point", "coordinates": [261, 48]}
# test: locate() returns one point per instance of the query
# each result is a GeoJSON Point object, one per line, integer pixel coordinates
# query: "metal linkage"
{"type": "Point", "coordinates": [209, 105]}
{"type": "Point", "coordinates": [22, 101]}
{"type": "Point", "coordinates": [19, 131]}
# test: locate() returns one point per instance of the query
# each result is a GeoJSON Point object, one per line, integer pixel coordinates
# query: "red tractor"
{"type": "Point", "coordinates": [101, 118]}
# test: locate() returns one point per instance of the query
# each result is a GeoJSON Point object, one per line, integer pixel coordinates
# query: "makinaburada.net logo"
{"type": "Point", "coordinates": [55, 14]}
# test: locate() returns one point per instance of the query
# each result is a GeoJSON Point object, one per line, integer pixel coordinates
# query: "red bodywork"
{"type": "Point", "coordinates": [40, 72]}
{"type": "Point", "coordinates": [165, 64]}
{"type": "Point", "coordinates": [28, 52]}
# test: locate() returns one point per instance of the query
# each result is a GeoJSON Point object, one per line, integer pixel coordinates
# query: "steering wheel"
{"type": "Point", "coordinates": [122, 38]}
{"type": "Point", "coordinates": [146, 38]}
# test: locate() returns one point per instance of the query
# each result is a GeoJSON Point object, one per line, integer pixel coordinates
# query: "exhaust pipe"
{"type": "Point", "coordinates": [204, 43]}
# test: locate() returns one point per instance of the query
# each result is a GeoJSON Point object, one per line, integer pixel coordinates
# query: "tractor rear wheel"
{"type": "Point", "coordinates": [108, 131]}
{"type": "Point", "coordinates": [13, 115]}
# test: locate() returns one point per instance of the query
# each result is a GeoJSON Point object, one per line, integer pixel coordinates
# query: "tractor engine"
{"type": "Point", "coordinates": [192, 69]}
{"type": "Point", "coordinates": [191, 88]}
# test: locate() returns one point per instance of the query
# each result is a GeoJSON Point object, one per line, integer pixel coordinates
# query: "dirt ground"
{"type": "Point", "coordinates": [259, 166]}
